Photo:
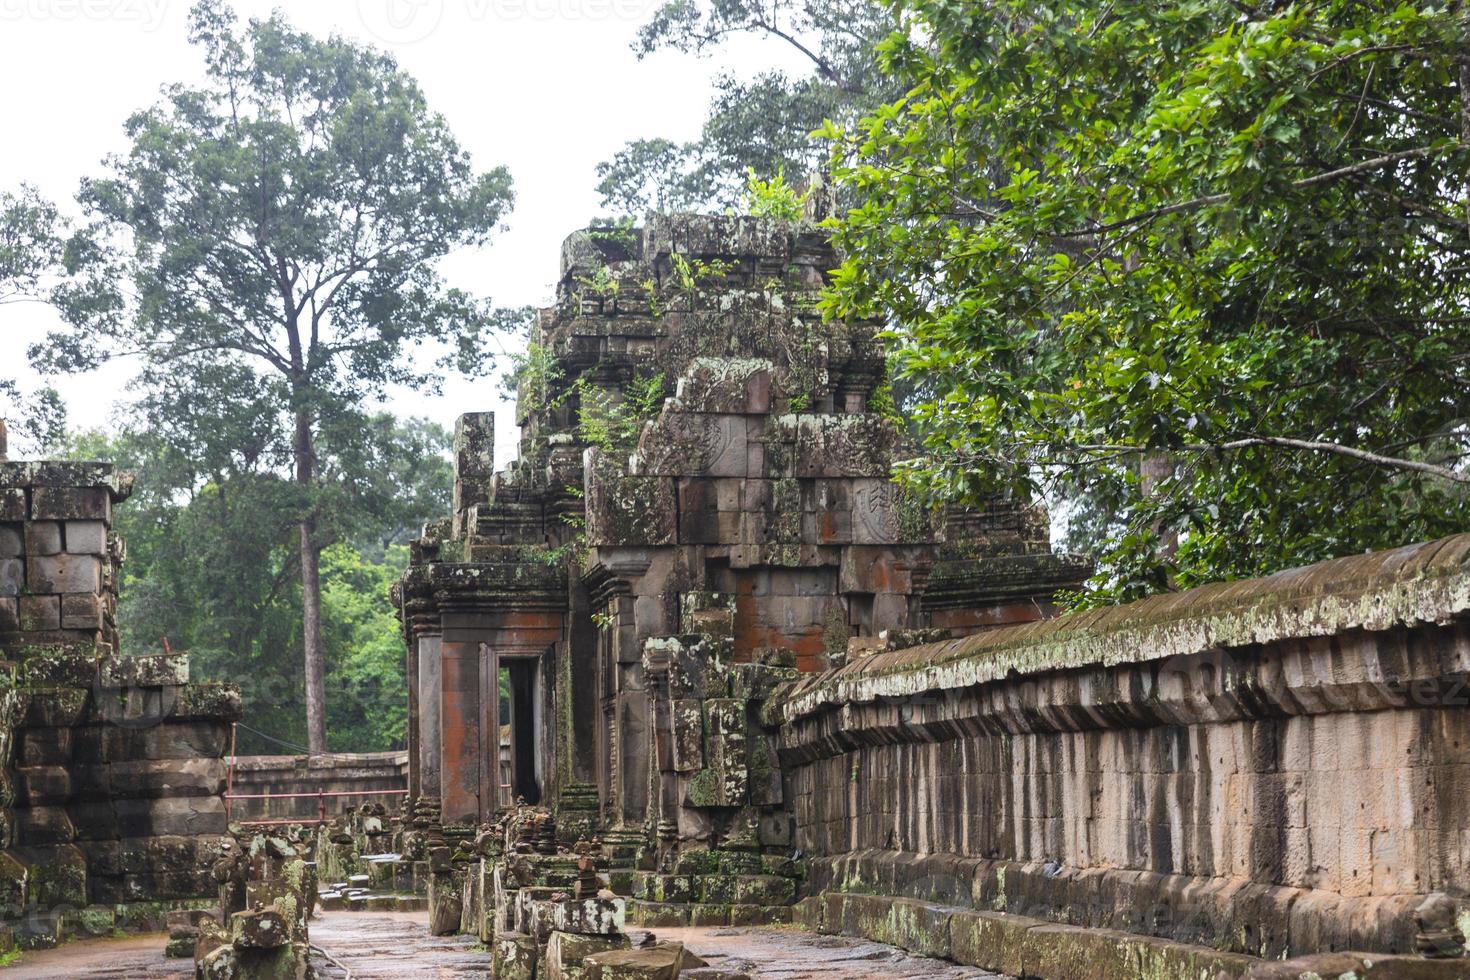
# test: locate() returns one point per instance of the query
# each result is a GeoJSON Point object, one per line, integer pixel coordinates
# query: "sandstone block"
{"type": "Point", "coordinates": [662, 962]}
{"type": "Point", "coordinates": [151, 670]}
{"type": "Point", "coordinates": [64, 573]}
{"type": "Point", "coordinates": [86, 537]}
{"type": "Point", "coordinates": [513, 957]}
{"type": "Point", "coordinates": [9, 614]}
{"type": "Point", "coordinates": [43, 538]}
{"type": "Point", "coordinates": [12, 504]}
{"type": "Point", "coordinates": [12, 576]}
{"type": "Point", "coordinates": [38, 826]}
{"type": "Point", "coordinates": [180, 815]}
{"type": "Point", "coordinates": [40, 613]}
{"type": "Point", "coordinates": [71, 504]}
{"type": "Point", "coordinates": [12, 543]}
{"type": "Point", "coordinates": [589, 916]}
{"type": "Point", "coordinates": [566, 953]}
{"type": "Point", "coordinates": [81, 611]}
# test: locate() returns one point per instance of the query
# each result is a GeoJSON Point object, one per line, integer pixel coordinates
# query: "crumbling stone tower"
{"type": "Point", "coordinates": [702, 508]}
{"type": "Point", "coordinates": [111, 766]}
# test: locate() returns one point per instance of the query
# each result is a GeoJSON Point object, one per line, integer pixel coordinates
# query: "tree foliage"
{"type": "Point", "coordinates": [1197, 268]}
{"type": "Point", "coordinates": [32, 256]}
{"type": "Point", "coordinates": [762, 123]}
{"type": "Point", "coordinates": [275, 231]}
{"type": "Point", "coordinates": [212, 565]}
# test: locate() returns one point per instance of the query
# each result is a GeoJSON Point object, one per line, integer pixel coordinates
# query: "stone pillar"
{"type": "Point", "coordinates": [430, 686]}
{"type": "Point", "coordinates": [459, 727]}
{"type": "Point", "coordinates": [474, 463]}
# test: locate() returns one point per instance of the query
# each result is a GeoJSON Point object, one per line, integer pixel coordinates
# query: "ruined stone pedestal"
{"type": "Point", "coordinates": [115, 763]}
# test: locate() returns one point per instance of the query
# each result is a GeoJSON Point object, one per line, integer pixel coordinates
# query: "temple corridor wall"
{"type": "Point", "coordinates": [1284, 768]}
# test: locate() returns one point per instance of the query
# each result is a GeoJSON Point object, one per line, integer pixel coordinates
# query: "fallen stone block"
{"type": "Point", "coordinates": [662, 962]}
{"type": "Point", "coordinates": [566, 953]}
{"type": "Point", "coordinates": [513, 957]}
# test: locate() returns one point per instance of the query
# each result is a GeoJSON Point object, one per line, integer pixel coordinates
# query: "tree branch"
{"type": "Point", "coordinates": [1209, 199]}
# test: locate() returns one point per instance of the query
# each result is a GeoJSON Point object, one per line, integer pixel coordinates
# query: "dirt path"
{"type": "Point", "coordinates": [397, 944]}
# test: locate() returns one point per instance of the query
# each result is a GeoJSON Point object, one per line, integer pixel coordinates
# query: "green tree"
{"type": "Point", "coordinates": [32, 256]}
{"type": "Point", "coordinates": [212, 563]}
{"type": "Point", "coordinates": [1196, 268]}
{"type": "Point", "coordinates": [283, 220]}
{"type": "Point", "coordinates": [764, 123]}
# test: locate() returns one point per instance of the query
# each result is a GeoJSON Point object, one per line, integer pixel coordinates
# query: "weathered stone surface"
{"type": "Point", "coordinates": [259, 929]}
{"type": "Point", "coordinates": [661, 962]}
{"type": "Point", "coordinates": [63, 573]}
{"type": "Point", "coordinates": [566, 953]}
{"type": "Point", "coordinates": [514, 956]}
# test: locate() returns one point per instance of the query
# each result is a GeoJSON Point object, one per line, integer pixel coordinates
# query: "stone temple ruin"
{"type": "Point", "coordinates": [695, 660]}
{"type": "Point", "coordinates": [111, 766]}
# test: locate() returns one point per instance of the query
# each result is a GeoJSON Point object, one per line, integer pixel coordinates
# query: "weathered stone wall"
{"type": "Point", "coordinates": [1272, 766]}
{"type": "Point", "coordinates": [359, 774]}
{"type": "Point", "coordinates": [113, 765]}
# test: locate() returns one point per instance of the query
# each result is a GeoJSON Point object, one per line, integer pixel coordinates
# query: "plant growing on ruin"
{"type": "Point", "coordinates": [773, 198]}
{"type": "Point", "coordinates": [612, 420]}
{"type": "Point", "coordinates": [1193, 270]}
{"type": "Point", "coordinates": [283, 219]}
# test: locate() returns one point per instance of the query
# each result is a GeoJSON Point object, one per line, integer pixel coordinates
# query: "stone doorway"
{"type": "Point", "coordinates": [520, 728]}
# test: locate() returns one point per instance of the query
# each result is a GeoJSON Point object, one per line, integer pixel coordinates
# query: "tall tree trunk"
{"type": "Point", "coordinates": [1154, 469]}
{"type": "Point", "coordinates": [311, 593]}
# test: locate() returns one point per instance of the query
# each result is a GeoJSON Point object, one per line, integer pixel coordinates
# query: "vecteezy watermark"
{"type": "Point", "coordinates": [147, 14]}
{"type": "Point", "coordinates": [410, 21]}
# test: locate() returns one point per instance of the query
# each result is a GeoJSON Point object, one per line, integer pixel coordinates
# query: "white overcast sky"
{"type": "Point", "coordinates": [546, 87]}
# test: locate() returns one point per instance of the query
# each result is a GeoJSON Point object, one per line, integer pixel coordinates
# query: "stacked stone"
{"type": "Point", "coordinates": [543, 909]}
{"type": "Point", "coordinates": [115, 764]}
{"type": "Point", "coordinates": [267, 891]}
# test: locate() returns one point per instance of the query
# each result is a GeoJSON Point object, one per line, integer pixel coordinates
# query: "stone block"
{"type": "Point", "coordinates": [664, 961]}
{"type": "Point", "coordinates": [43, 538]}
{"type": "Point", "coordinates": [764, 890]}
{"type": "Point", "coordinates": [513, 956]}
{"type": "Point", "coordinates": [259, 929]}
{"type": "Point", "coordinates": [64, 573]}
{"type": "Point", "coordinates": [179, 815]}
{"type": "Point", "coordinates": [42, 785]}
{"type": "Point", "coordinates": [13, 504]}
{"type": "Point", "coordinates": [71, 504]}
{"type": "Point", "coordinates": [150, 778]}
{"type": "Point", "coordinates": [151, 670]}
{"type": "Point", "coordinates": [12, 576]}
{"type": "Point", "coordinates": [12, 542]}
{"type": "Point", "coordinates": [912, 925]}
{"type": "Point", "coordinates": [9, 614]}
{"type": "Point", "coordinates": [44, 747]}
{"type": "Point", "coordinates": [688, 742]}
{"type": "Point", "coordinates": [589, 916]}
{"type": "Point", "coordinates": [40, 613]}
{"type": "Point", "coordinates": [86, 537]}
{"type": "Point", "coordinates": [566, 953]}
{"type": "Point", "coordinates": [81, 611]}
{"type": "Point", "coordinates": [39, 826]}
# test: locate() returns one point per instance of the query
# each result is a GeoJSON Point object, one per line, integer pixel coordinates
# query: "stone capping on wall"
{"type": "Point", "coordinates": [1419, 583]}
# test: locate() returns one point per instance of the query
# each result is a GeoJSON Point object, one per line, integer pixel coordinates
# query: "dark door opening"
{"type": "Point", "coordinates": [519, 678]}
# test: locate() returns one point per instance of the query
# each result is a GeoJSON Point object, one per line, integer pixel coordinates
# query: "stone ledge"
{"type": "Point", "coordinates": [1020, 946]}
{"type": "Point", "coordinates": [1229, 914]}
{"type": "Point", "coordinates": [1421, 583]}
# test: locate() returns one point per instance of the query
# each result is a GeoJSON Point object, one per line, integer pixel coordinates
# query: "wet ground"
{"type": "Point", "coordinates": [397, 944]}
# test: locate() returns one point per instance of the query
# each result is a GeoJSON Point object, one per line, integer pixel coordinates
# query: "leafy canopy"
{"type": "Point", "coordinates": [287, 215]}
{"type": "Point", "coordinates": [32, 256]}
{"type": "Point", "coordinates": [1214, 245]}
{"type": "Point", "coordinates": [762, 123]}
